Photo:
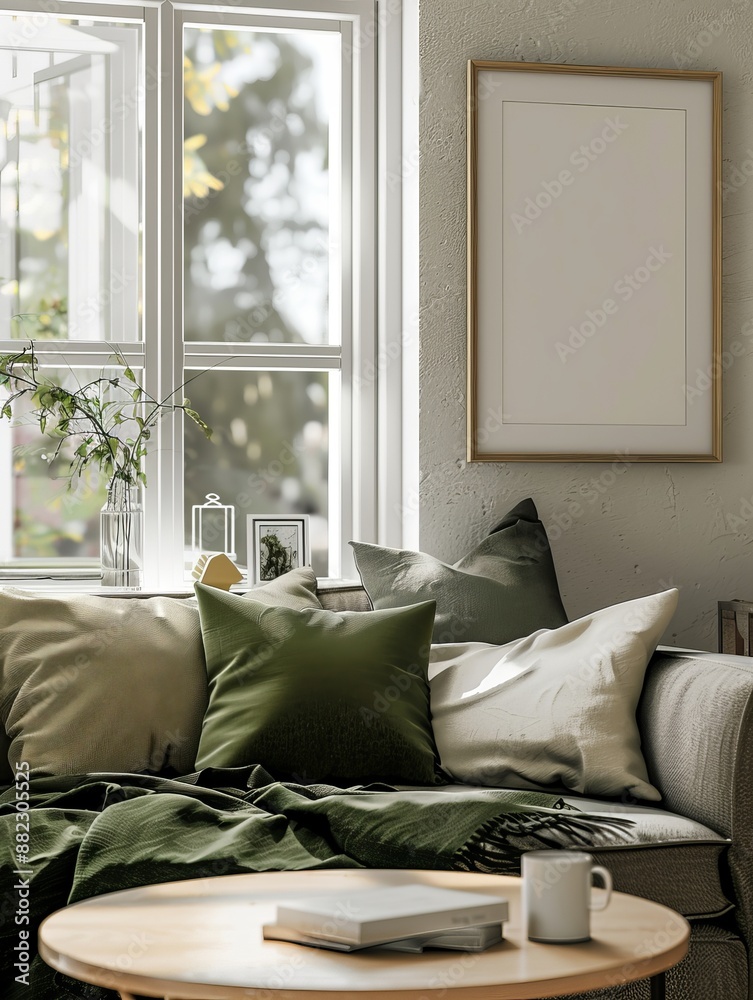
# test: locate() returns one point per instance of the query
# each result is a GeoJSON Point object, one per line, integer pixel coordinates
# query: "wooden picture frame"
{"type": "Point", "coordinates": [594, 264]}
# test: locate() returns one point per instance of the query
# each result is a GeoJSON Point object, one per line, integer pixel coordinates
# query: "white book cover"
{"type": "Point", "coordinates": [370, 916]}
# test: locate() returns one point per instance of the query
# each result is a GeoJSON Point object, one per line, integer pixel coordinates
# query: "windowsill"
{"type": "Point", "coordinates": [93, 587]}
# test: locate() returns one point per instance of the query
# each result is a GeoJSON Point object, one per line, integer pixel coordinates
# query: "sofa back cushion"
{"type": "Point", "coordinates": [343, 599]}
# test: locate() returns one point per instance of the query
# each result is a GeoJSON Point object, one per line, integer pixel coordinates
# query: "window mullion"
{"type": "Point", "coordinates": [171, 341]}
{"type": "Point", "coordinates": [82, 354]}
{"type": "Point", "coordinates": [163, 532]}
{"type": "Point", "coordinates": [363, 499]}
{"type": "Point", "coordinates": [229, 355]}
{"type": "Point", "coordinates": [390, 301]}
{"type": "Point", "coordinates": [125, 12]}
{"type": "Point", "coordinates": [195, 364]}
{"type": "Point", "coordinates": [280, 8]}
{"type": "Point", "coordinates": [254, 19]}
{"type": "Point", "coordinates": [341, 469]}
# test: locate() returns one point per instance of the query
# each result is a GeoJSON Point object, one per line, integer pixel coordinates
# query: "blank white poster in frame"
{"type": "Point", "coordinates": [594, 264]}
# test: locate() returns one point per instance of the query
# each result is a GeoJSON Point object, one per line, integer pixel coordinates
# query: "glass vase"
{"type": "Point", "coordinates": [121, 527]}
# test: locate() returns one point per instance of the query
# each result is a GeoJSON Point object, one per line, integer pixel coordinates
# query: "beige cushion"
{"type": "Point", "coordinates": [110, 684]}
{"type": "Point", "coordinates": [100, 683]}
{"type": "Point", "coordinates": [556, 708]}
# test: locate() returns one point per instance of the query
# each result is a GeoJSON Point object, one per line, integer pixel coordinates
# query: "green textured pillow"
{"type": "Point", "coordinates": [317, 695]}
{"type": "Point", "coordinates": [505, 588]}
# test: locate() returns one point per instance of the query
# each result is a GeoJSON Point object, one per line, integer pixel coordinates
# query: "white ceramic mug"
{"type": "Point", "coordinates": [557, 895]}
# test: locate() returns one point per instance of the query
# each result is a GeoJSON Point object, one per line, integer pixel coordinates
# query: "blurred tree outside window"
{"type": "Point", "coordinates": [262, 266]}
{"type": "Point", "coordinates": [70, 249]}
{"type": "Point", "coordinates": [258, 111]}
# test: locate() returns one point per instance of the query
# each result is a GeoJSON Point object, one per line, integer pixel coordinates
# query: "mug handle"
{"type": "Point", "coordinates": [607, 879]}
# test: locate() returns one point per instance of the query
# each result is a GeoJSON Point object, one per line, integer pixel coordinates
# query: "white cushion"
{"type": "Point", "coordinates": [555, 708]}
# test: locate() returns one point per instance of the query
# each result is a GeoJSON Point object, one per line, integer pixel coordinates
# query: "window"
{"type": "Point", "coordinates": [197, 187]}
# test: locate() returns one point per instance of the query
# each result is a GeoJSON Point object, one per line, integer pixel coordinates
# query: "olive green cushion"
{"type": "Point", "coordinates": [505, 588]}
{"type": "Point", "coordinates": [317, 695]}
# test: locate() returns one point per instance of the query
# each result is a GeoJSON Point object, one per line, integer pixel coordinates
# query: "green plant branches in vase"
{"type": "Point", "coordinates": [108, 424]}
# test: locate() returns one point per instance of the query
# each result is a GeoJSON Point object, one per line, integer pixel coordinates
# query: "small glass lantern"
{"type": "Point", "coordinates": [213, 527]}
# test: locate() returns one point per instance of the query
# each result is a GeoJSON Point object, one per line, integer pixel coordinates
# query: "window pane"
{"type": "Point", "coordinates": [43, 519]}
{"type": "Point", "coordinates": [269, 452]}
{"type": "Point", "coordinates": [261, 185]}
{"type": "Point", "coordinates": [71, 95]}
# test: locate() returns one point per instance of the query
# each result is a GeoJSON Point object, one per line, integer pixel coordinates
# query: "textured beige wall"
{"type": "Point", "coordinates": [614, 537]}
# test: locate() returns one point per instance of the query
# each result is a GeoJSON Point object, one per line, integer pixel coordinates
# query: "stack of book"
{"type": "Point", "coordinates": [403, 918]}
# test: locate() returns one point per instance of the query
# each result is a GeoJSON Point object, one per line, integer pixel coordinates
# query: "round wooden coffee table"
{"type": "Point", "coordinates": [201, 940]}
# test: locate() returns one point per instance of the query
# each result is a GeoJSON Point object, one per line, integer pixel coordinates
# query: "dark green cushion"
{"type": "Point", "coordinates": [6, 771]}
{"type": "Point", "coordinates": [505, 588]}
{"type": "Point", "coordinates": [317, 695]}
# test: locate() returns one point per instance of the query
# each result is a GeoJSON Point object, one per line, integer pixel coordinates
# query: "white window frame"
{"type": "Point", "coordinates": [378, 501]}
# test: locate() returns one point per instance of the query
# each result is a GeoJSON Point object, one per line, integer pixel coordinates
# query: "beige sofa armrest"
{"type": "Point", "coordinates": [696, 723]}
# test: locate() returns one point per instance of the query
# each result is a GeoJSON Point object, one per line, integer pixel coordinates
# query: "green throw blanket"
{"type": "Point", "coordinates": [98, 833]}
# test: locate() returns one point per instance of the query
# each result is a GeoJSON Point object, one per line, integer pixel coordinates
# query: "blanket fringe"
{"type": "Point", "coordinates": [490, 850]}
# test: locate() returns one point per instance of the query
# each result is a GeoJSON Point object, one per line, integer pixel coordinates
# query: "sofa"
{"type": "Point", "coordinates": [696, 723]}
{"type": "Point", "coordinates": [693, 851]}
